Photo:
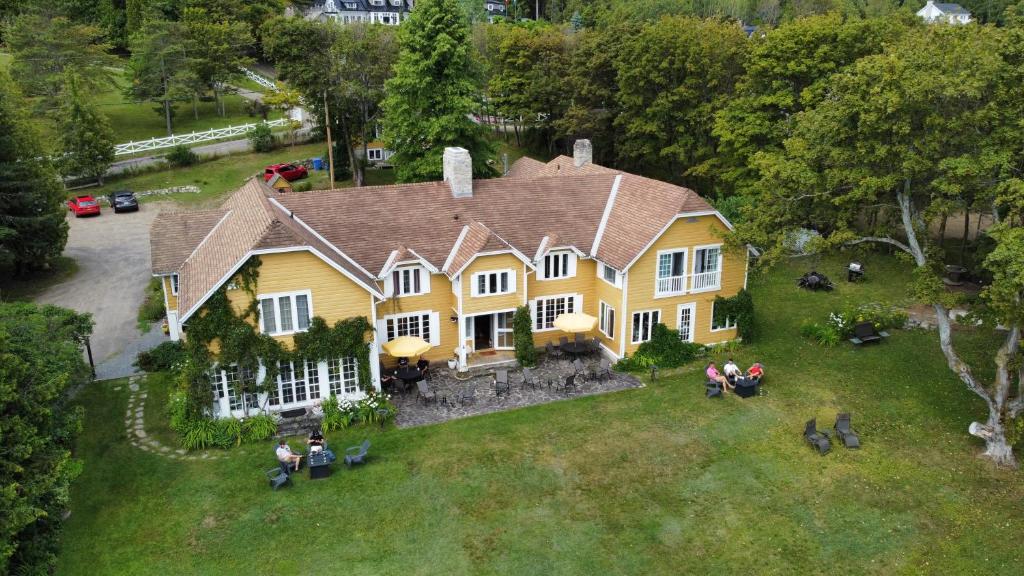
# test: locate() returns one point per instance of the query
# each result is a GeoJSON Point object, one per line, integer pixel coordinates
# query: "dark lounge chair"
{"type": "Point", "coordinates": [278, 476]}
{"type": "Point", "coordinates": [845, 432]}
{"type": "Point", "coordinates": [865, 333]}
{"type": "Point", "coordinates": [819, 440]}
{"type": "Point", "coordinates": [357, 454]}
{"type": "Point", "coordinates": [713, 388]}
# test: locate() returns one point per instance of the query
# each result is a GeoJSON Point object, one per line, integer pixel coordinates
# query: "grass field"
{"type": "Point", "coordinates": [656, 480]}
{"type": "Point", "coordinates": [31, 284]}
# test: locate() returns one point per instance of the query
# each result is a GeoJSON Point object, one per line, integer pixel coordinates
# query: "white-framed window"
{"type": "Point", "coordinates": [606, 319]}
{"type": "Point", "coordinates": [493, 283]}
{"type": "Point", "coordinates": [503, 330]}
{"type": "Point", "coordinates": [375, 153]}
{"type": "Point", "coordinates": [550, 307]}
{"type": "Point", "coordinates": [411, 281]}
{"type": "Point", "coordinates": [671, 272]}
{"type": "Point", "coordinates": [557, 265]}
{"type": "Point", "coordinates": [174, 284]}
{"type": "Point", "coordinates": [419, 324]}
{"type": "Point", "coordinates": [687, 315]}
{"type": "Point", "coordinates": [292, 386]}
{"type": "Point", "coordinates": [343, 376]}
{"type": "Point", "coordinates": [707, 268]}
{"type": "Point", "coordinates": [285, 313]}
{"type": "Point", "coordinates": [377, 2]}
{"type": "Point", "coordinates": [643, 325]}
{"type": "Point", "coordinates": [609, 275]}
{"type": "Point", "coordinates": [725, 323]}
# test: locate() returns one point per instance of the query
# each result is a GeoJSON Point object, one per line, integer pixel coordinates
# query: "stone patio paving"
{"type": "Point", "coordinates": [448, 385]}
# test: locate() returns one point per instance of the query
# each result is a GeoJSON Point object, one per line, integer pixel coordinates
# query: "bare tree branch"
{"type": "Point", "coordinates": [882, 239]}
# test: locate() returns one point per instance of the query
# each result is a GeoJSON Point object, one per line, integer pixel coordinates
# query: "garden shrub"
{"type": "Point", "coordinates": [882, 316]}
{"type": "Point", "coordinates": [262, 138]}
{"type": "Point", "coordinates": [376, 408]}
{"type": "Point", "coordinates": [181, 155]}
{"type": "Point", "coordinates": [664, 350]}
{"type": "Point", "coordinates": [259, 427]}
{"type": "Point", "coordinates": [168, 356]}
{"type": "Point", "coordinates": [303, 186]}
{"type": "Point", "coordinates": [198, 434]}
{"type": "Point", "coordinates": [229, 432]}
{"type": "Point", "coordinates": [152, 308]}
{"type": "Point", "coordinates": [824, 334]}
{"type": "Point", "coordinates": [741, 309]}
{"type": "Point", "coordinates": [522, 335]}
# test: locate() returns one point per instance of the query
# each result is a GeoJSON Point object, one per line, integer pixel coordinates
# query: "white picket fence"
{"type": "Point", "coordinates": [193, 138]}
{"type": "Point", "coordinates": [261, 80]}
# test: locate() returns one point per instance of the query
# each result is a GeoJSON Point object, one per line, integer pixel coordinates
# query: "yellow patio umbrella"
{"type": "Point", "coordinates": [575, 322]}
{"type": "Point", "coordinates": [406, 346]}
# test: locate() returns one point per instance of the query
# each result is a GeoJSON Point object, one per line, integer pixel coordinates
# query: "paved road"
{"type": "Point", "coordinates": [112, 252]}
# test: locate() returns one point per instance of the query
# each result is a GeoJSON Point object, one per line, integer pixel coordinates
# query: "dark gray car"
{"type": "Point", "coordinates": [123, 201]}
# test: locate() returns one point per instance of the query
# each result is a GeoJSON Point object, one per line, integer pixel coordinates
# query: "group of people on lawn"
{"type": "Point", "coordinates": [286, 456]}
{"type": "Point", "coordinates": [730, 372]}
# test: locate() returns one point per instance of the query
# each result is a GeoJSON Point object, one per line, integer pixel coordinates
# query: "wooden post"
{"type": "Point", "coordinates": [330, 145]}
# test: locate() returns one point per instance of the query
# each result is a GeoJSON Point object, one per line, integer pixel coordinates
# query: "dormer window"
{"type": "Point", "coordinates": [557, 265]}
{"type": "Point", "coordinates": [411, 281]}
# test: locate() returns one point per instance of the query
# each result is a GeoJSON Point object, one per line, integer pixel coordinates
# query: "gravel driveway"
{"type": "Point", "coordinates": [112, 252]}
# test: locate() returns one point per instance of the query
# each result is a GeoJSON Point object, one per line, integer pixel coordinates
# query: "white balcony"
{"type": "Point", "coordinates": [676, 285]}
{"type": "Point", "coordinates": [670, 285]}
{"type": "Point", "coordinates": [706, 281]}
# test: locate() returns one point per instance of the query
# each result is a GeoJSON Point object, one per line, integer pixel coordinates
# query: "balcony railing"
{"type": "Point", "coordinates": [706, 281]}
{"type": "Point", "coordinates": [671, 285]}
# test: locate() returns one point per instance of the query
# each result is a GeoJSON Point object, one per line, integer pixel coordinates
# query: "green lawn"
{"type": "Point", "coordinates": [32, 283]}
{"type": "Point", "coordinates": [657, 480]}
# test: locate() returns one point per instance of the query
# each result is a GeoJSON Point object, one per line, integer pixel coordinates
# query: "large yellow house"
{"type": "Point", "coordinates": [450, 261]}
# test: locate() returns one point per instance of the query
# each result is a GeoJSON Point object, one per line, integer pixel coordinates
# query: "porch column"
{"type": "Point", "coordinates": [463, 366]}
{"type": "Point", "coordinates": [375, 362]}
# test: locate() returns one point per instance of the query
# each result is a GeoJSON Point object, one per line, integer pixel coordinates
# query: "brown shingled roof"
{"type": "Point", "coordinates": [525, 167]}
{"type": "Point", "coordinates": [174, 235]}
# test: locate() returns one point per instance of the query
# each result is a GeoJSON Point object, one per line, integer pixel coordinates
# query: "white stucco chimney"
{"type": "Point", "coordinates": [582, 152]}
{"type": "Point", "coordinates": [458, 171]}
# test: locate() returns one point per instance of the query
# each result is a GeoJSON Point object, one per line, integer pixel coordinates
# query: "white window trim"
{"type": "Point", "coordinates": [174, 284]}
{"type": "Point", "coordinates": [711, 321]}
{"type": "Point", "coordinates": [602, 311]}
{"type": "Point", "coordinates": [686, 267]}
{"type": "Point", "coordinates": [534, 307]}
{"type": "Point", "coordinates": [693, 265]}
{"type": "Point", "coordinates": [432, 337]}
{"type": "Point", "coordinates": [375, 154]}
{"type": "Point", "coordinates": [277, 310]}
{"type": "Point", "coordinates": [570, 265]}
{"type": "Point", "coordinates": [692, 306]}
{"type": "Point", "coordinates": [601, 266]}
{"type": "Point", "coordinates": [473, 286]}
{"type": "Point", "coordinates": [630, 326]}
{"type": "Point", "coordinates": [424, 281]}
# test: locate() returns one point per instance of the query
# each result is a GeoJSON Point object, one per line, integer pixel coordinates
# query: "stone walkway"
{"type": "Point", "coordinates": [549, 375]}
{"type": "Point", "coordinates": [135, 426]}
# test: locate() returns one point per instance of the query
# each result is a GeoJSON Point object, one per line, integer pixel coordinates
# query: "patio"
{"type": "Point", "coordinates": [549, 375]}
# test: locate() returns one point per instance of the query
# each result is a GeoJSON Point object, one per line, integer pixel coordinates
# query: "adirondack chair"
{"type": "Point", "coordinates": [865, 333]}
{"type": "Point", "coordinates": [357, 454]}
{"type": "Point", "coordinates": [819, 440]}
{"type": "Point", "coordinates": [278, 477]}
{"type": "Point", "coordinates": [713, 389]}
{"type": "Point", "coordinates": [845, 432]}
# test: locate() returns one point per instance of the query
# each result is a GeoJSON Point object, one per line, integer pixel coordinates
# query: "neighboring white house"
{"type": "Point", "coordinates": [389, 12]}
{"type": "Point", "coordinates": [950, 13]}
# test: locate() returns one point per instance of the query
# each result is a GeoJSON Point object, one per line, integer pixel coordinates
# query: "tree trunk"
{"type": "Point", "coordinates": [515, 125]}
{"type": "Point", "coordinates": [195, 105]}
{"type": "Point", "coordinates": [167, 116]}
{"type": "Point", "coordinates": [942, 230]}
{"type": "Point", "coordinates": [353, 163]}
{"type": "Point", "coordinates": [967, 229]}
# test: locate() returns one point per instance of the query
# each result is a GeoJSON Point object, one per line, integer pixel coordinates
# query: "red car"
{"type": "Point", "coordinates": [84, 205]}
{"type": "Point", "coordinates": [287, 171]}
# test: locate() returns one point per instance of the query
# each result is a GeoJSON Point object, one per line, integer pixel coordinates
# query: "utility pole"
{"type": "Point", "coordinates": [330, 145]}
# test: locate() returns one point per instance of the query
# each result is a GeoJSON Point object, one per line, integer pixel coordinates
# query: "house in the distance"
{"type": "Point", "coordinates": [495, 10]}
{"type": "Point", "coordinates": [949, 13]}
{"type": "Point", "coordinates": [390, 12]}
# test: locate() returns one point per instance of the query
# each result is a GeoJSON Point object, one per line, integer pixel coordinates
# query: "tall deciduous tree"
{"type": "Point", "coordinates": [433, 93]}
{"type": "Point", "coordinates": [892, 137]}
{"type": "Point", "coordinates": [159, 68]}
{"type": "Point", "coordinates": [87, 140]}
{"type": "Point", "coordinates": [40, 360]}
{"type": "Point", "coordinates": [217, 49]}
{"type": "Point", "coordinates": [673, 76]}
{"type": "Point", "coordinates": [32, 225]}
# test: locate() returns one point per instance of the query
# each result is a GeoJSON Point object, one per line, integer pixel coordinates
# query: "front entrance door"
{"type": "Point", "coordinates": [483, 332]}
{"type": "Point", "coordinates": [687, 312]}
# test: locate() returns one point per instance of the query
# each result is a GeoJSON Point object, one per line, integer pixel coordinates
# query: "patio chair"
{"type": "Point", "coordinates": [605, 371]}
{"type": "Point", "coordinates": [563, 343]}
{"type": "Point", "coordinates": [581, 339]}
{"type": "Point", "coordinates": [467, 396]}
{"type": "Point", "coordinates": [865, 333]}
{"type": "Point", "coordinates": [528, 379]}
{"type": "Point", "coordinates": [552, 351]}
{"type": "Point", "coordinates": [595, 346]}
{"type": "Point", "coordinates": [425, 393]}
{"type": "Point", "coordinates": [356, 454]}
{"type": "Point", "coordinates": [278, 477]}
{"type": "Point", "coordinates": [713, 388]}
{"type": "Point", "coordinates": [501, 384]}
{"type": "Point", "coordinates": [579, 369]}
{"type": "Point", "coordinates": [569, 384]}
{"type": "Point", "coordinates": [819, 440]}
{"type": "Point", "coordinates": [845, 432]}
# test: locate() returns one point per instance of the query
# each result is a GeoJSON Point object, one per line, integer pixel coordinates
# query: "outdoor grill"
{"type": "Point", "coordinates": [854, 272]}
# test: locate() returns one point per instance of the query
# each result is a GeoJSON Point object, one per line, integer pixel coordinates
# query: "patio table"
{"type": "Point", "coordinates": [408, 374]}
{"type": "Point", "coordinates": [575, 348]}
{"type": "Point", "coordinates": [319, 465]}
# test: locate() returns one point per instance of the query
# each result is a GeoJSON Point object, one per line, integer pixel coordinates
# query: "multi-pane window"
{"type": "Point", "coordinates": [375, 153]}
{"type": "Point", "coordinates": [606, 319]}
{"type": "Point", "coordinates": [216, 386]}
{"type": "Point", "coordinates": [313, 379]}
{"type": "Point", "coordinates": [550, 308]}
{"type": "Point", "coordinates": [291, 384]}
{"type": "Point", "coordinates": [707, 264]}
{"type": "Point", "coordinates": [558, 265]}
{"type": "Point", "coordinates": [343, 376]}
{"type": "Point", "coordinates": [174, 284]}
{"type": "Point", "coordinates": [248, 380]}
{"type": "Point", "coordinates": [504, 330]}
{"type": "Point", "coordinates": [671, 272]}
{"type": "Point", "coordinates": [491, 283]}
{"type": "Point", "coordinates": [408, 325]}
{"type": "Point", "coordinates": [721, 321]}
{"type": "Point", "coordinates": [609, 274]}
{"type": "Point", "coordinates": [232, 384]}
{"type": "Point", "coordinates": [643, 325]}
{"type": "Point", "coordinates": [285, 313]}
{"type": "Point", "coordinates": [408, 281]}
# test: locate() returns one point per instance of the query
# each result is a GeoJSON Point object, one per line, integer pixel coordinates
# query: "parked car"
{"type": "Point", "coordinates": [84, 205]}
{"type": "Point", "coordinates": [123, 201]}
{"type": "Point", "coordinates": [287, 171]}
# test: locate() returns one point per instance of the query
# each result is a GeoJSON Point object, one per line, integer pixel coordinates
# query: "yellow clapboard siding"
{"type": "Point", "coordinates": [440, 299]}
{"type": "Point", "coordinates": [172, 300]}
{"type": "Point", "coordinates": [478, 304]}
{"type": "Point", "coordinates": [582, 283]}
{"type": "Point", "coordinates": [641, 282]}
{"type": "Point", "coordinates": [612, 296]}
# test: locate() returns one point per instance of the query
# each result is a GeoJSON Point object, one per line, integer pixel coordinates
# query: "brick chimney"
{"type": "Point", "coordinates": [582, 152]}
{"type": "Point", "coordinates": [458, 171]}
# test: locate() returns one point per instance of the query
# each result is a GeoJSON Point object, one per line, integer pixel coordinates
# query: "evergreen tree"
{"type": "Point", "coordinates": [32, 225]}
{"type": "Point", "coordinates": [86, 137]}
{"type": "Point", "coordinates": [433, 93]}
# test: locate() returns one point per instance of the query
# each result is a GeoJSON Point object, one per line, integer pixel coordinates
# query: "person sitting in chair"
{"type": "Point", "coordinates": [756, 372]}
{"type": "Point", "coordinates": [423, 365]}
{"type": "Point", "coordinates": [285, 454]}
{"type": "Point", "coordinates": [316, 441]}
{"type": "Point", "coordinates": [387, 381]}
{"type": "Point", "coordinates": [731, 371]}
{"type": "Point", "coordinates": [713, 375]}
{"type": "Point", "coordinates": [403, 362]}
